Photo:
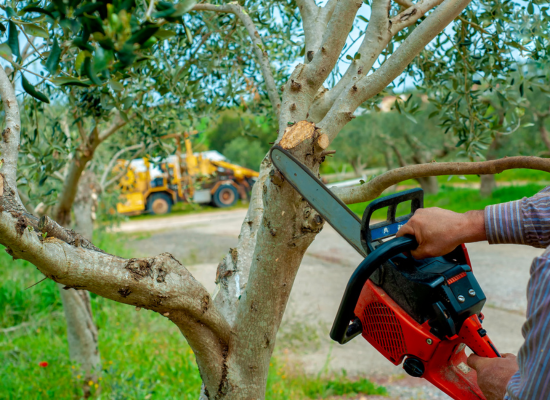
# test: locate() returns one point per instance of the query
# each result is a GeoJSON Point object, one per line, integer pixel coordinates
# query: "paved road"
{"type": "Point", "coordinates": [200, 241]}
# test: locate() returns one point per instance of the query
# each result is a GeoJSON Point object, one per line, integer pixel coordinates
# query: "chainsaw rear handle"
{"type": "Point", "coordinates": [371, 233]}
{"type": "Point", "coordinates": [342, 332]}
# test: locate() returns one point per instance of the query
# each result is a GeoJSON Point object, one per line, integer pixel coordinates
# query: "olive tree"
{"type": "Point", "coordinates": [233, 331]}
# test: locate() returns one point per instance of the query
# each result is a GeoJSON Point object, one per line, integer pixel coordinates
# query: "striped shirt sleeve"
{"type": "Point", "coordinates": [532, 381]}
{"type": "Point", "coordinates": [526, 221]}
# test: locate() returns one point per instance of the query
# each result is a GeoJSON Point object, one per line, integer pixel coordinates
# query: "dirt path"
{"type": "Point", "coordinates": [200, 241]}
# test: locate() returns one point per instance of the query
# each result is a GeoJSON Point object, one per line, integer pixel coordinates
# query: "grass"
{"type": "Point", "coordinates": [460, 199]}
{"type": "Point", "coordinates": [143, 356]}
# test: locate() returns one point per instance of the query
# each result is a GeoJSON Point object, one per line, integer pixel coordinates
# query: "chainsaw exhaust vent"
{"type": "Point", "coordinates": [383, 327]}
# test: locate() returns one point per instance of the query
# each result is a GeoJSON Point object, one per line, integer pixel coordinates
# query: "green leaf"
{"type": "Point", "coordinates": [531, 8]}
{"type": "Point", "coordinates": [35, 30]}
{"type": "Point", "coordinates": [83, 44]}
{"type": "Point", "coordinates": [397, 106]}
{"type": "Point", "coordinates": [53, 59]}
{"type": "Point", "coordinates": [142, 35]}
{"type": "Point", "coordinates": [88, 8]}
{"type": "Point", "coordinates": [124, 116]}
{"type": "Point", "coordinates": [126, 55]}
{"type": "Point", "coordinates": [102, 59]}
{"type": "Point", "coordinates": [410, 118]}
{"type": "Point", "coordinates": [38, 10]}
{"type": "Point", "coordinates": [2, 28]}
{"type": "Point", "coordinates": [32, 91]}
{"type": "Point", "coordinates": [165, 33]}
{"type": "Point", "coordinates": [189, 35]}
{"type": "Point", "coordinates": [521, 89]}
{"type": "Point", "coordinates": [88, 70]}
{"type": "Point", "coordinates": [183, 7]}
{"type": "Point", "coordinates": [117, 86]}
{"type": "Point", "coordinates": [11, 13]}
{"type": "Point", "coordinates": [13, 39]}
{"type": "Point", "coordinates": [5, 51]}
{"type": "Point", "coordinates": [70, 81]}
{"type": "Point", "coordinates": [79, 60]}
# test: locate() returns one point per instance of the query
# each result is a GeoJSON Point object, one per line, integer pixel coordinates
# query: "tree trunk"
{"type": "Point", "coordinates": [429, 184]}
{"type": "Point", "coordinates": [488, 185]}
{"type": "Point", "coordinates": [81, 334]}
{"type": "Point", "coordinates": [81, 329]}
{"type": "Point", "coordinates": [357, 165]}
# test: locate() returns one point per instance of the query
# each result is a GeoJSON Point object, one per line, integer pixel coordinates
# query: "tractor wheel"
{"type": "Point", "coordinates": [225, 196]}
{"type": "Point", "coordinates": [159, 203]}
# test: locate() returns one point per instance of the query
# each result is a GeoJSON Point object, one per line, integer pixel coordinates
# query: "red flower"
{"type": "Point", "coordinates": [43, 363]}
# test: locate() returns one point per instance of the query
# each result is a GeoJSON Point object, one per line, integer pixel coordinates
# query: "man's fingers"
{"type": "Point", "coordinates": [474, 361]}
{"type": "Point", "coordinates": [406, 229]}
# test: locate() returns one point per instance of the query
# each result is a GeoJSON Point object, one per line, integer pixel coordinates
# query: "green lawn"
{"type": "Point", "coordinates": [461, 200]}
{"type": "Point", "coordinates": [144, 356]}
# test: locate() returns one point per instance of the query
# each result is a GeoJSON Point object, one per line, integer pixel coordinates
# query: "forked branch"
{"type": "Point", "coordinates": [380, 31]}
{"type": "Point", "coordinates": [342, 110]}
{"type": "Point", "coordinates": [375, 187]}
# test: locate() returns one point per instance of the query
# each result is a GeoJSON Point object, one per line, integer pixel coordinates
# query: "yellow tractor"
{"type": "Point", "coordinates": [154, 186]}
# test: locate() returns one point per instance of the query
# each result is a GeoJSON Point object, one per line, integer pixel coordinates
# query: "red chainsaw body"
{"type": "Point", "coordinates": [396, 335]}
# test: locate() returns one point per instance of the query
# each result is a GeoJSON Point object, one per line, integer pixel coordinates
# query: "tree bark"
{"type": "Point", "coordinates": [81, 329]}
{"type": "Point", "coordinates": [429, 184]}
{"type": "Point", "coordinates": [487, 185]}
{"type": "Point", "coordinates": [487, 182]}
{"type": "Point", "coordinates": [81, 334]}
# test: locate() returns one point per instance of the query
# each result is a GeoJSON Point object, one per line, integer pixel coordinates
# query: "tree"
{"type": "Point", "coordinates": [233, 333]}
{"type": "Point", "coordinates": [95, 60]}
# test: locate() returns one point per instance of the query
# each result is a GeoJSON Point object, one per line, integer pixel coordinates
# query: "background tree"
{"type": "Point", "coordinates": [233, 334]}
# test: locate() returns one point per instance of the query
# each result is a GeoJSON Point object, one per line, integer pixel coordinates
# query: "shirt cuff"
{"type": "Point", "coordinates": [504, 223]}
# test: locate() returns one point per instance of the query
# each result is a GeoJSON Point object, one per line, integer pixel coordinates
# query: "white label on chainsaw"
{"type": "Point", "coordinates": [464, 368]}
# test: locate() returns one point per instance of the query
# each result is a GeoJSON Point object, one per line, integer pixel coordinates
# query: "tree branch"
{"type": "Point", "coordinates": [377, 37]}
{"type": "Point", "coordinates": [342, 110]}
{"type": "Point", "coordinates": [376, 186]}
{"type": "Point", "coordinates": [380, 31]}
{"type": "Point", "coordinates": [160, 284]}
{"type": "Point", "coordinates": [412, 14]}
{"type": "Point", "coordinates": [9, 145]}
{"type": "Point", "coordinates": [116, 125]}
{"type": "Point", "coordinates": [112, 162]}
{"type": "Point", "coordinates": [258, 46]}
{"type": "Point", "coordinates": [306, 80]}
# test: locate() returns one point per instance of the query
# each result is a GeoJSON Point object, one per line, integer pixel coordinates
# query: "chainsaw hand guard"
{"type": "Point", "coordinates": [346, 325]}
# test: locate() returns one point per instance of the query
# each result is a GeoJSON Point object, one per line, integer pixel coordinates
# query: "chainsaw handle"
{"type": "Point", "coordinates": [377, 232]}
{"type": "Point", "coordinates": [342, 331]}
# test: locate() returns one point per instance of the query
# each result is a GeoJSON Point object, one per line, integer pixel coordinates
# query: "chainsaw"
{"type": "Point", "coordinates": [422, 313]}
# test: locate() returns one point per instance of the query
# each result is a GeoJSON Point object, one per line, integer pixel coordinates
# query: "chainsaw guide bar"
{"type": "Point", "coordinates": [330, 207]}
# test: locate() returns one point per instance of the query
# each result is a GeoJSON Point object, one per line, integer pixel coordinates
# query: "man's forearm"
{"type": "Point", "coordinates": [474, 227]}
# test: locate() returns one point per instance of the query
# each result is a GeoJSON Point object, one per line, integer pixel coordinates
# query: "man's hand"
{"type": "Point", "coordinates": [439, 231]}
{"type": "Point", "coordinates": [493, 374]}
